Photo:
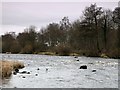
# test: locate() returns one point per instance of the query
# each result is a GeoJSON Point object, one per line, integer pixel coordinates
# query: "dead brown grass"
{"type": "Point", "coordinates": [6, 67]}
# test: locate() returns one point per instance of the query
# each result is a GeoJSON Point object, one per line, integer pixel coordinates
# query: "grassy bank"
{"type": "Point", "coordinates": [102, 55]}
{"type": "Point", "coordinates": [6, 67]}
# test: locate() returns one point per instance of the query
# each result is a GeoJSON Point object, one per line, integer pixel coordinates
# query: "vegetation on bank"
{"type": "Point", "coordinates": [96, 33]}
{"type": "Point", "coordinates": [6, 68]}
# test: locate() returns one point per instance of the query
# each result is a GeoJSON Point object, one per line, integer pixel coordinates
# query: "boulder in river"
{"type": "Point", "coordinates": [23, 72]}
{"type": "Point", "coordinates": [93, 70]}
{"type": "Point", "coordinates": [23, 77]}
{"type": "Point", "coordinates": [16, 70]}
{"type": "Point", "coordinates": [28, 72]}
{"type": "Point", "coordinates": [14, 73]}
{"type": "Point", "coordinates": [75, 57]}
{"type": "Point", "coordinates": [38, 69]}
{"type": "Point", "coordinates": [36, 74]}
{"type": "Point", "coordinates": [83, 67]}
{"type": "Point", "coordinates": [91, 63]}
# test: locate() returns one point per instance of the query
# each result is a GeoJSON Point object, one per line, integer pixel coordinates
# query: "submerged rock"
{"type": "Point", "coordinates": [83, 67]}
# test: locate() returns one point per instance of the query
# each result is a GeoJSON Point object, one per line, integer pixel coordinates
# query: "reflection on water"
{"type": "Point", "coordinates": [63, 72]}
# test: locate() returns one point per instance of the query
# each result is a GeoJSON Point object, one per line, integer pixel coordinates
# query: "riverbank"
{"type": "Point", "coordinates": [6, 67]}
{"type": "Point", "coordinates": [56, 54]}
{"type": "Point", "coordinates": [102, 55]}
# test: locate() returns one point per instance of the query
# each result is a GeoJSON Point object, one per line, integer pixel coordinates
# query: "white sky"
{"type": "Point", "coordinates": [18, 15]}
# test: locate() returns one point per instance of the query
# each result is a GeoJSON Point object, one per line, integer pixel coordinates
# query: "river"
{"type": "Point", "coordinates": [63, 72]}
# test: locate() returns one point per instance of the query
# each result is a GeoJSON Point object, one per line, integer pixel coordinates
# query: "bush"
{"type": "Point", "coordinates": [27, 49]}
{"type": "Point", "coordinates": [6, 67]}
{"type": "Point", "coordinates": [63, 50]}
{"type": "Point", "coordinates": [114, 53]}
{"type": "Point", "coordinates": [15, 48]}
{"type": "Point", "coordinates": [17, 65]}
{"type": "Point", "coordinates": [89, 53]}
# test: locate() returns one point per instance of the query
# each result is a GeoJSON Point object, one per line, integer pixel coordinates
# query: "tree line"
{"type": "Point", "coordinates": [96, 32]}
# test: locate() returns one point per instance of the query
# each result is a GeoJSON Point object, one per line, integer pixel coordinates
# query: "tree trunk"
{"type": "Point", "coordinates": [98, 49]}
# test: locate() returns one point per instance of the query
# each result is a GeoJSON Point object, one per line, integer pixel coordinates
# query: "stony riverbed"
{"type": "Point", "coordinates": [62, 72]}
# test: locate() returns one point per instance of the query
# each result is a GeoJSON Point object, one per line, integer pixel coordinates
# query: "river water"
{"type": "Point", "coordinates": [63, 72]}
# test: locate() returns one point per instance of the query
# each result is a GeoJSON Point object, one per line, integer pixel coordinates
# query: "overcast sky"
{"type": "Point", "coordinates": [18, 15]}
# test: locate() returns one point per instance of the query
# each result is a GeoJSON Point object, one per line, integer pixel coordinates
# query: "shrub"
{"type": "Point", "coordinates": [63, 50]}
{"type": "Point", "coordinates": [89, 53]}
{"type": "Point", "coordinates": [114, 53]}
{"type": "Point", "coordinates": [27, 49]}
{"type": "Point", "coordinates": [6, 67]}
{"type": "Point", "coordinates": [17, 65]}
